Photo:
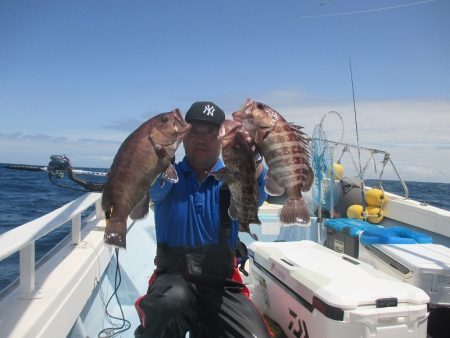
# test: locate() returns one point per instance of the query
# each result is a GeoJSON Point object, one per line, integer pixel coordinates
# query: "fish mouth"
{"type": "Point", "coordinates": [245, 111]}
{"type": "Point", "coordinates": [238, 116]}
{"type": "Point", "coordinates": [181, 125]}
{"type": "Point", "coordinates": [229, 127]}
{"type": "Point", "coordinates": [178, 117]}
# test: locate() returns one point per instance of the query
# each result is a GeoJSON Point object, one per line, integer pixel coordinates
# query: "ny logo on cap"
{"type": "Point", "coordinates": [209, 110]}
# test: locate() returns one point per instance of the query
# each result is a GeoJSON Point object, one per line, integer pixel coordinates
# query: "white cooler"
{"type": "Point", "coordinates": [312, 291]}
{"type": "Point", "coordinates": [426, 266]}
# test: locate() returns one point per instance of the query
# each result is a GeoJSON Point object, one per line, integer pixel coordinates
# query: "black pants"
{"type": "Point", "coordinates": [174, 306]}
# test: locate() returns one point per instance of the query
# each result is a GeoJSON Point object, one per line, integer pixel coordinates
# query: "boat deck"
{"type": "Point", "coordinates": [73, 287]}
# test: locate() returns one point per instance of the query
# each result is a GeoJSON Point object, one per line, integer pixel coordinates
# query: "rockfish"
{"type": "Point", "coordinates": [239, 174]}
{"type": "Point", "coordinates": [286, 152]}
{"type": "Point", "coordinates": [145, 154]}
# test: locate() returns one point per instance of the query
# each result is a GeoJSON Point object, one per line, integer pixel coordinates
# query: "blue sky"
{"type": "Point", "coordinates": [76, 77]}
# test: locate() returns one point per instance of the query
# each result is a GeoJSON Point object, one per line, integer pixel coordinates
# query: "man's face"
{"type": "Point", "coordinates": [201, 145]}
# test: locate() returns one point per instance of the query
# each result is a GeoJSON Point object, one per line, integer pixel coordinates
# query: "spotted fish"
{"type": "Point", "coordinates": [239, 174]}
{"type": "Point", "coordinates": [286, 152]}
{"type": "Point", "coordinates": [143, 156]}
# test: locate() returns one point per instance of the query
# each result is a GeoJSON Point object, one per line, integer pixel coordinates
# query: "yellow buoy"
{"type": "Point", "coordinates": [338, 170]}
{"type": "Point", "coordinates": [375, 197]}
{"type": "Point", "coordinates": [374, 214]}
{"type": "Point", "coordinates": [355, 211]}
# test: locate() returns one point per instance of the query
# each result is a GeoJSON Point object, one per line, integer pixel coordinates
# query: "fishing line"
{"type": "Point", "coordinates": [365, 10]}
{"type": "Point", "coordinates": [113, 331]}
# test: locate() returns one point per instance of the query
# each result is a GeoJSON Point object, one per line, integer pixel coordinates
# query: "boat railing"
{"type": "Point", "coordinates": [23, 238]}
{"type": "Point", "coordinates": [346, 148]}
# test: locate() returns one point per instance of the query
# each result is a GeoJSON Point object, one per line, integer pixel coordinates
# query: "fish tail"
{"type": "Point", "coordinates": [252, 235]}
{"type": "Point", "coordinates": [294, 211]}
{"type": "Point", "coordinates": [115, 233]}
{"type": "Point", "coordinates": [255, 220]}
{"type": "Point", "coordinates": [245, 227]}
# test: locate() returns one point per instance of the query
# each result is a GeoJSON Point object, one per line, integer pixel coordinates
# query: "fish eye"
{"type": "Point", "coordinates": [260, 105]}
{"type": "Point", "coordinates": [164, 119]}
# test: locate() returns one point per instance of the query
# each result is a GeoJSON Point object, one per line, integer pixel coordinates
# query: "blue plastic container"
{"type": "Point", "coordinates": [345, 234]}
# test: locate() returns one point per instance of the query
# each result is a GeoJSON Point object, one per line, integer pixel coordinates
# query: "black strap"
{"type": "Point", "coordinates": [241, 249]}
{"type": "Point", "coordinates": [242, 255]}
{"type": "Point", "coordinates": [225, 220]}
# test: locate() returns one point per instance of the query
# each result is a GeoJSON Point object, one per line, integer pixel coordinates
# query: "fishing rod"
{"type": "Point", "coordinates": [361, 175]}
{"type": "Point", "coordinates": [58, 166]}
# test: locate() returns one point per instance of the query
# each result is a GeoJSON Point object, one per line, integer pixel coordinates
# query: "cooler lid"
{"type": "Point", "coordinates": [311, 270]}
{"type": "Point", "coordinates": [420, 256]}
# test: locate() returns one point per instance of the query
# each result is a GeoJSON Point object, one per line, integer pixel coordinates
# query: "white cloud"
{"type": "Point", "coordinates": [32, 149]}
{"type": "Point", "coordinates": [415, 132]}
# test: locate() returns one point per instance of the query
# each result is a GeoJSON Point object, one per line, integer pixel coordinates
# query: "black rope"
{"type": "Point", "coordinates": [125, 324]}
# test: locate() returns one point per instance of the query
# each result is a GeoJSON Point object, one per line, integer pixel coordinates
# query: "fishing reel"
{"type": "Point", "coordinates": [58, 165]}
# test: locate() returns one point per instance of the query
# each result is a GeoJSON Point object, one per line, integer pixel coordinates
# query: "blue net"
{"type": "Point", "coordinates": [323, 192]}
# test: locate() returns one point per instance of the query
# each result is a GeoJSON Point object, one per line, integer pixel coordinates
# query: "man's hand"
{"type": "Point", "coordinates": [258, 163]}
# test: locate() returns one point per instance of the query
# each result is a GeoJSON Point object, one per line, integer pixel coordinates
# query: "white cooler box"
{"type": "Point", "coordinates": [426, 266]}
{"type": "Point", "coordinates": [312, 291]}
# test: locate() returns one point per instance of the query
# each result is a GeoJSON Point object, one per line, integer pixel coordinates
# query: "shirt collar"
{"type": "Point", "coordinates": [186, 168]}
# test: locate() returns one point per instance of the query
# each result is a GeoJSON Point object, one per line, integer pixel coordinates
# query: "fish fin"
{"type": "Point", "coordinates": [141, 208]}
{"type": "Point", "coordinates": [106, 199]}
{"type": "Point", "coordinates": [233, 211]}
{"type": "Point", "coordinates": [299, 135]}
{"type": "Point", "coordinates": [295, 127]}
{"type": "Point", "coordinates": [159, 149]}
{"type": "Point", "coordinates": [245, 227]}
{"type": "Point", "coordinates": [294, 211]}
{"type": "Point", "coordinates": [170, 175]}
{"type": "Point", "coordinates": [272, 187]}
{"type": "Point", "coordinates": [115, 233]}
{"type": "Point", "coordinates": [223, 174]}
{"type": "Point", "coordinates": [309, 179]}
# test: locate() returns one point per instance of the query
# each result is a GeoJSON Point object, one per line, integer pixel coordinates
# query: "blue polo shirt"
{"type": "Point", "coordinates": [187, 213]}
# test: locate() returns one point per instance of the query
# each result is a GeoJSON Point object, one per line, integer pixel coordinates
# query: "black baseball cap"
{"type": "Point", "coordinates": [205, 111]}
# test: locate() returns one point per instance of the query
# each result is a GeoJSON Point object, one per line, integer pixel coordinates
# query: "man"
{"type": "Point", "coordinates": [193, 288]}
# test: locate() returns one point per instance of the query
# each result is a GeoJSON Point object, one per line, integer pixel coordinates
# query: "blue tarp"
{"type": "Point", "coordinates": [376, 234]}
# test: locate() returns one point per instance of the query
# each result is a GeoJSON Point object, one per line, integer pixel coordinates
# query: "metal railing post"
{"type": "Point", "coordinates": [98, 209]}
{"type": "Point", "coordinates": [27, 270]}
{"type": "Point", "coordinates": [76, 229]}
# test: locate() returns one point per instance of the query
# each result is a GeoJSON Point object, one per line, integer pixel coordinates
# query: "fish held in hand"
{"type": "Point", "coordinates": [143, 156]}
{"type": "Point", "coordinates": [240, 174]}
{"type": "Point", "coordinates": [286, 152]}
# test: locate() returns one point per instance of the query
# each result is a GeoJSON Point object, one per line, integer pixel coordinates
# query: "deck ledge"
{"type": "Point", "coordinates": [63, 286]}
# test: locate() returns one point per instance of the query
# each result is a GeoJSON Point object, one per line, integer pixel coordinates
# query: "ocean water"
{"type": "Point", "coordinates": [26, 195]}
